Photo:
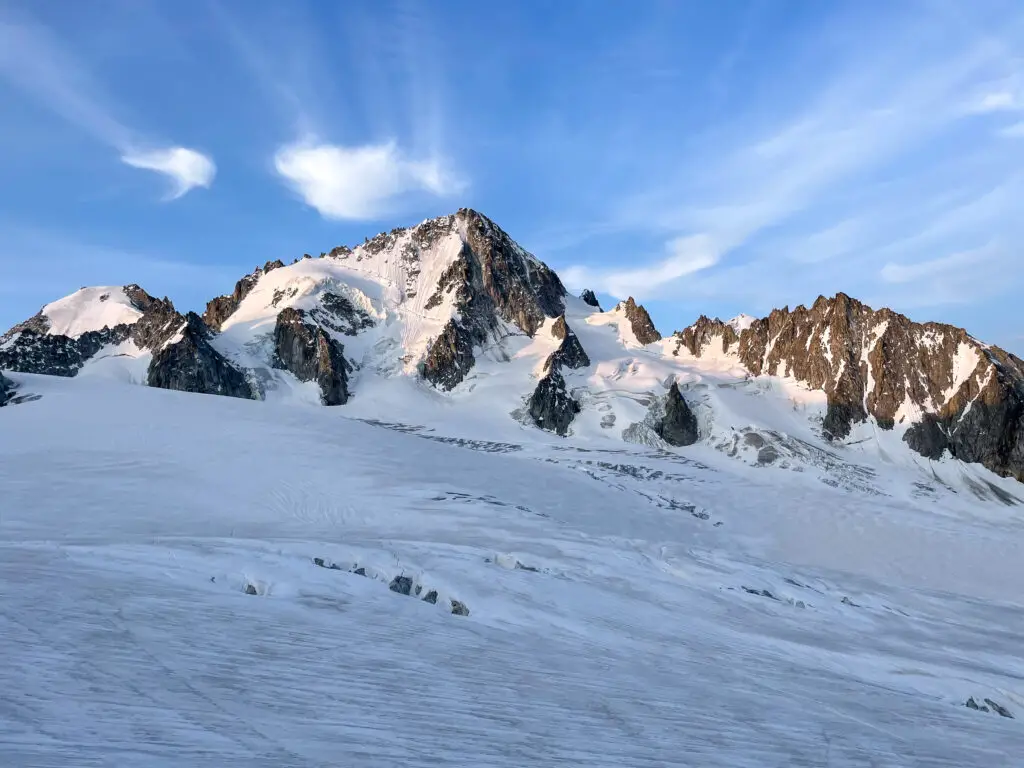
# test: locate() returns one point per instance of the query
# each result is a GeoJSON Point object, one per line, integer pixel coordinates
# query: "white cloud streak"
{"type": "Point", "coordinates": [186, 168]}
{"type": "Point", "coordinates": [820, 166]}
{"type": "Point", "coordinates": [41, 65]}
{"type": "Point", "coordinates": [362, 182]}
{"type": "Point", "coordinates": [686, 256]}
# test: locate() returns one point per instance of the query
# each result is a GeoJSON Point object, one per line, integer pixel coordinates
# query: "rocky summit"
{"type": "Point", "coordinates": [455, 306]}
{"type": "Point", "coordinates": [640, 321]}
{"type": "Point", "coordinates": [952, 393]}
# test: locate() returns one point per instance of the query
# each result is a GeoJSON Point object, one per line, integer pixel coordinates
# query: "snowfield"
{"type": "Point", "coordinates": [89, 309]}
{"type": "Point", "coordinates": [204, 581]}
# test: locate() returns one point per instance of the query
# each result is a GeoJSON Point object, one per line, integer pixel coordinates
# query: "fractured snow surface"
{"type": "Point", "coordinates": [132, 522]}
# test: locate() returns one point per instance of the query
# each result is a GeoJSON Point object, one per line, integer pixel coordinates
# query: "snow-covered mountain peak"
{"type": "Point", "coordinates": [414, 300]}
{"type": "Point", "coordinates": [90, 309]}
{"type": "Point", "coordinates": [741, 322]}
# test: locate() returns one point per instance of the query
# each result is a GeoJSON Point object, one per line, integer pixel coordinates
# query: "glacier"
{"type": "Point", "coordinates": [208, 581]}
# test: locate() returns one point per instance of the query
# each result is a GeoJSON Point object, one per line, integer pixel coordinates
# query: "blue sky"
{"type": "Point", "coordinates": [704, 157]}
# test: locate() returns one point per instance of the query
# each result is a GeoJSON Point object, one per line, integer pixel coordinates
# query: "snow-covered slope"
{"type": "Point", "coordinates": [208, 581]}
{"type": "Point", "coordinates": [90, 309]}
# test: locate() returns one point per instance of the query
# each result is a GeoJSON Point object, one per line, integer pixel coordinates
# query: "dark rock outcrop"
{"type": "Point", "coordinates": [401, 584]}
{"type": "Point", "coordinates": [187, 362]}
{"type": "Point", "coordinates": [29, 347]}
{"type": "Point", "coordinates": [570, 352]}
{"type": "Point", "coordinates": [590, 298]}
{"type": "Point", "coordinates": [551, 406]}
{"type": "Point", "coordinates": [6, 389]}
{"type": "Point", "coordinates": [524, 290]}
{"type": "Point", "coordinates": [877, 363]}
{"type": "Point", "coordinates": [988, 706]}
{"type": "Point", "coordinates": [27, 350]}
{"type": "Point", "coordinates": [311, 354]}
{"type": "Point", "coordinates": [679, 425]}
{"type": "Point", "coordinates": [450, 357]}
{"type": "Point", "coordinates": [221, 308]}
{"type": "Point", "coordinates": [640, 321]}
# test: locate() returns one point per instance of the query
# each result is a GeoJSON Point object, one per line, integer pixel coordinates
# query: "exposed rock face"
{"type": "Point", "coordinates": [551, 406]}
{"type": "Point", "coordinates": [339, 314]}
{"type": "Point", "coordinates": [188, 363]}
{"type": "Point", "coordinates": [492, 279]}
{"type": "Point", "coordinates": [590, 298]}
{"type": "Point", "coordinates": [308, 351]}
{"type": "Point", "coordinates": [450, 357]}
{"type": "Point", "coordinates": [983, 422]}
{"type": "Point", "coordinates": [523, 289]}
{"type": "Point", "coordinates": [643, 326]}
{"type": "Point", "coordinates": [570, 352]}
{"type": "Point", "coordinates": [6, 389]}
{"type": "Point", "coordinates": [954, 393]}
{"type": "Point", "coordinates": [28, 350]}
{"type": "Point", "coordinates": [705, 333]}
{"type": "Point", "coordinates": [221, 308]}
{"type": "Point", "coordinates": [679, 425]}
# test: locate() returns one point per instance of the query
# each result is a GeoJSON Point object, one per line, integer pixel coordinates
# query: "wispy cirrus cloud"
{"type": "Point", "coordinates": [373, 152]}
{"type": "Point", "coordinates": [812, 197]}
{"type": "Point", "coordinates": [686, 256]}
{"type": "Point", "coordinates": [41, 65]}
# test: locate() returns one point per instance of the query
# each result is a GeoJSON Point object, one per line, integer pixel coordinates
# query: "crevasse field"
{"type": "Point", "coordinates": [198, 581]}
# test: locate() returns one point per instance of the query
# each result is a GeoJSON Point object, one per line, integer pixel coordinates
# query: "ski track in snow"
{"type": "Point", "coordinates": [610, 624]}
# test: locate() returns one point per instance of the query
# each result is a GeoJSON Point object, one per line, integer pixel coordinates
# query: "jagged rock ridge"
{"type": "Point", "coordinates": [954, 393]}
{"type": "Point", "coordinates": [221, 308]}
{"type": "Point", "coordinates": [476, 289]}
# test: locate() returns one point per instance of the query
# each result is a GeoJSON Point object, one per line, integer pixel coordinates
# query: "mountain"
{"type": "Point", "coordinates": [454, 308]}
{"type": "Point", "coordinates": [124, 323]}
{"type": "Point", "coordinates": [951, 392]}
{"type": "Point", "coordinates": [526, 531]}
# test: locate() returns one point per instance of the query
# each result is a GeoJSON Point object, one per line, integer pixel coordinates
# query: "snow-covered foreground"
{"type": "Point", "coordinates": [627, 607]}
